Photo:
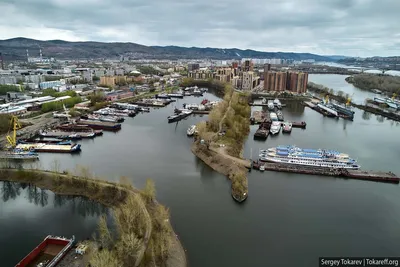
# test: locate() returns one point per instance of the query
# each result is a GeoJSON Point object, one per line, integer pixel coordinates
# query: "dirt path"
{"type": "Point", "coordinates": [222, 151]}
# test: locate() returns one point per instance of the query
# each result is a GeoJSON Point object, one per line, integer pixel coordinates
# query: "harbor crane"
{"type": "Point", "coordinates": [14, 126]}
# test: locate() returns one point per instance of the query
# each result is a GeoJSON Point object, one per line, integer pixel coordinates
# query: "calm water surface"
{"type": "Point", "coordinates": [288, 219]}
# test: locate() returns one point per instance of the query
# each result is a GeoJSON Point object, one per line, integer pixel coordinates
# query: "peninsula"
{"type": "Point", "coordinates": [221, 138]}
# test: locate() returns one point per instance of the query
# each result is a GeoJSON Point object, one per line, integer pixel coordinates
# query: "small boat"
{"type": "Point", "coordinates": [186, 93]}
{"type": "Point", "coordinates": [271, 105]}
{"type": "Point", "coordinates": [262, 167]}
{"type": "Point", "coordinates": [175, 95]}
{"type": "Point", "coordinates": [277, 103]}
{"type": "Point", "coordinates": [275, 127]}
{"type": "Point", "coordinates": [279, 114]}
{"type": "Point", "coordinates": [205, 101]}
{"type": "Point", "coordinates": [287, 127]}
{"type": "Point", "coordinates": [192, 130]}
{"type": "Point", "coordinates": [162, 96]}
{"type": "Point", "coordinates": [48, 253]}
{"type": "Point", "coordinates": [143, 109]}
{"type": "Point", "coordinates": [273, 116]}
{"type": "Point", "coordinates": [197, 92]}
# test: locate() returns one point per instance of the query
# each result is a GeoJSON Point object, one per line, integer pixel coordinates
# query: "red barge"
{"type": "Point", "coordinates": [48, 253]}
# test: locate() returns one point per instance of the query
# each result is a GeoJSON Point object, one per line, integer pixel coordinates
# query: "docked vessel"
{"type": "Point", "coordinates": [162, 96]}
{"type": "Point", "coordinates": [329, 111]}
{"type": "Point", "coordinates": [271, 105]}
{"type": "Point", "coordinates": [347, 112]}
{"type": "Point", "coordinates": [295, 149]}
{"type": "Point", "coordinates": [50, 148]}
{"type": "Point", "coordinates": [67, 135]}
{"type": "Point", "coordinates": [197, 92]}
{"type": "Point", "coordinates": [273, 116]}
{"type": "Point", "coordinates": [287, 127]}
{"type": "Point", "coordinates": [175, 95]}
{"type": "Point", "coordinates": [275, 127]}
{"type": "Point", "coordinates": [279, 114]}
{"type": "Point", "coordinates": [55, 141]}
{"type": "Point", "coordinates": [48, 253]}
{"type": "Point", "coordinates": [312, 159]}
{"type": "Point", "coordinates": [71, 127]}
{"type": "Point", "coordinates": [277, 103]}
{"type": "Point", "coordinates": [264, 101]}
{"type": "Point", "coordinates": [19, 155]}
{"type": "Point", "coordinates": [191, 130]}
{"type": "Point", "coordinates": [101, 125]}
{"type": "Point", "coordinates": [177, 117]}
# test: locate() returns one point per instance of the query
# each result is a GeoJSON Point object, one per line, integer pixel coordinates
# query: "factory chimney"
{"type": "Point", "coordinates": [1, 61]}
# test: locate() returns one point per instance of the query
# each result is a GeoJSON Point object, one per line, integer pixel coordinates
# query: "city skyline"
{"type": "Point", "coordinates": [358, 28]}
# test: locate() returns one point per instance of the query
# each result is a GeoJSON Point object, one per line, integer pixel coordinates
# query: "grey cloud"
{"type": "Point", "coordinates": [362, 27]}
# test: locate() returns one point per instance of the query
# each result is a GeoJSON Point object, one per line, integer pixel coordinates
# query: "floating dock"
{"type": "Point", "coordinates": [375, 176]}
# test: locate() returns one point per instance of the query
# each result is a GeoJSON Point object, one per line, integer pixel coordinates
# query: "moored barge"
{"type": "Point", "coordinates": [50, 148]}
{"type": "Point", "coordinates": [100, 125]}
{"type": "Point", "coordinates": [48, 253]}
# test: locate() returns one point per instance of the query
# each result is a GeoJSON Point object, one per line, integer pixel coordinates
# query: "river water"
{"type": "Point", "coordinates": [288, 219]}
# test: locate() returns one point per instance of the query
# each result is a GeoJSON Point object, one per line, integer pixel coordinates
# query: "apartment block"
{"type": "Point", "coordinates": [295, 82]}
{"type": "Point", "coordinates": [249, 80]}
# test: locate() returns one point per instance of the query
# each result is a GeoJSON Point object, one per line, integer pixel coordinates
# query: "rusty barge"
{"type": "Point", "coordinates": [376, 176]}
{"type": "Point", "coordinates": [48, 253]}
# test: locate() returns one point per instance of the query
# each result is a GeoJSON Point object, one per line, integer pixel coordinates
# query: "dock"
{"type": "Point", "coordinates": [386, 177]}
{"type": "Point", "coordinates": [259, 116]}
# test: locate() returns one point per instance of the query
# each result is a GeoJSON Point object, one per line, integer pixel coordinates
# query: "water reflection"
{"type": "Point", "coordinates": [79, 205]}
{"type": "Point", "coordinates": [10, 190]}
{"type": "Point", "coordinates": [380, 118]}
{"type": "Point", "coordinates": [294, 107]}
{"type": "Point", "coordinates": [366, 115]}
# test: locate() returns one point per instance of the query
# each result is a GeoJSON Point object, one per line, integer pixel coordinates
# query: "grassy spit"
{"type": "Point", "coordinates": [223, 135]}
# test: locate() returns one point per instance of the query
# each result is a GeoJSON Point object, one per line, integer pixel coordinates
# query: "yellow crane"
{"type": "Point", "coordinates": [326, 99]}
{"type": "Point", "coordinates": [349, 100]}
{"type": "Point", "coordinates": [14, 125]}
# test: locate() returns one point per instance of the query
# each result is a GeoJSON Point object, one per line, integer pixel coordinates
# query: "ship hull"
{"type": "Point", "coordinates": [320, 164]}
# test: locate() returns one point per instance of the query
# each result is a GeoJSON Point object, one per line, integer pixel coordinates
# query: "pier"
{"type": "Point", "coordinates": [262, 105]}
{"type": "Point", "coordinates": [376, 176]}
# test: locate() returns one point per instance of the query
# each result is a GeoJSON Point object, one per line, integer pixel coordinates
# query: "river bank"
{"type": "Point", "coordinates": [367, 81]}
{"type": "Point", "coordinates": [221, 138]}
{"type": "Point", "coordinates": [155, 241]}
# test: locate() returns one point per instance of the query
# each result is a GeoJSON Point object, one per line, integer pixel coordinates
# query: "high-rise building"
{"type": "Point", "coordinates": [192, 67]}
{"type": "Point", "coordinates": [1, 62]}
{"type": "Point", "coordinates": [247, 65]}
{"type": "Point", "coordinates": [284, 81]}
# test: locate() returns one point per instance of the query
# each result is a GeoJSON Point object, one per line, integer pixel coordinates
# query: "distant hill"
{"type": "Point", "coordinates": [15, 49]}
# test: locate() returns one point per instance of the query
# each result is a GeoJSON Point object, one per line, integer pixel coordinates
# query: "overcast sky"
{"type": "Point", "coordinates": [342, 27]}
